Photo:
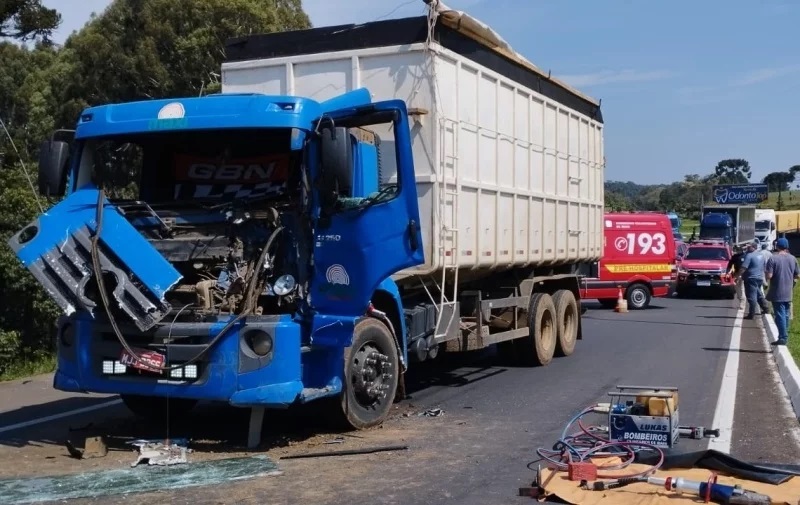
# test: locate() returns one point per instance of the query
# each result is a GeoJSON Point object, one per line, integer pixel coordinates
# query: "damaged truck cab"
{"type": "Point", "coordinates": [234, 247]}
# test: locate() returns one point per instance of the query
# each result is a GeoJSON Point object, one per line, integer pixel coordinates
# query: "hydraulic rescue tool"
{"type": "Point", "coordinates": [710, 491]}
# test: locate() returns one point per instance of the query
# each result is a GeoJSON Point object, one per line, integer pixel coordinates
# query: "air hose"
{"type": "Point", "coordinates": [98, 273]}
{"type": "Point", "coordinates": [589, 442]}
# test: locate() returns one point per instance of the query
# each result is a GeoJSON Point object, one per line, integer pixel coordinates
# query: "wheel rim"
{"type": "Point", "coordinates": [638, 297]}
{"type": "Point", "coordinates": [371, 374]}
{"type": "Point", "coordinates": [548, 332]}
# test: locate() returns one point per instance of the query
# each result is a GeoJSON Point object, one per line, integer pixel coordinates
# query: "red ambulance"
{"type": "Point", "coordinates": [639, 254]}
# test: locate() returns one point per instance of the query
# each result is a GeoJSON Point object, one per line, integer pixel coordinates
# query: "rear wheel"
{"type": "Point", "coordinates": [567, 316]}
{"type": "Point", "coordinates": [158, 408]}
{"type": "Point", "coordinates": [371, 372]}
{"type": "Point", "coordinates": [540, 345]}
{"type": "Point", "coordinates": [638, 296]}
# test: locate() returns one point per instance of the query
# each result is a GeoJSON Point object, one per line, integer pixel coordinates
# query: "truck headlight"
{"type": "Point", "coordinates": [259, 341]}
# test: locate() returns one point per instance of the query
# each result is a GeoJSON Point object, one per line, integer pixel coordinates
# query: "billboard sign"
{"type": "Point", "coordinates": [740, 194]}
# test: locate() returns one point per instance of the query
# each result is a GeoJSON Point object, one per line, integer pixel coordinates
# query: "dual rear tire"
{"type": "Point", "coordinates": [552, 329]}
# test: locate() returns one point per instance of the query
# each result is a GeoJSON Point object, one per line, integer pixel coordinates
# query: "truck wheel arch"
{"type": "Point", "coordinates": [387, 299]}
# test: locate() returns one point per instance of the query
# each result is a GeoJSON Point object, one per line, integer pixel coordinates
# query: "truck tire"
{"type": "Point", "coordinates": [158, 408]}
{"type": "Point", "coordinates": [638, 296]}
{"type": "Point", "coordinates": [540, 345]}
{"type": "Point", "coordinates": [367, 392]}
{"type": "Point", "coordinates": [567, 316]}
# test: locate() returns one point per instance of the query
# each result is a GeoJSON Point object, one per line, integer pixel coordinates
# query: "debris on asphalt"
{"type": "Point", "coordinates": [337, 440]}
{"type": "Point", "coordinates": [125, 481]}
{"type": "Point", "coordinates": [166, 453]}
{"type": "Point", "coordinates": [93, 447]}
{"type": "Point", "coordinates": [432, 413]}
{"type": "Point", "coordinates": [73, 451]}
{"type": "Point", "coordinates": [366, 450]}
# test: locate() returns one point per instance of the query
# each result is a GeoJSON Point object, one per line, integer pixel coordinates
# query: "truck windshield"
{"type": "Point", "coordinates": [762, 225]}
{"type": "Point", "coordinates": [707, 253]}
{"type": "Point", "coordinates": [211, 166]}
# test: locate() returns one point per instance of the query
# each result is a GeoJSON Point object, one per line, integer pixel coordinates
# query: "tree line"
{"type": "Point", "coordinates": [686, 196]}
{"type": "Point", "coordinates": [135, 49]}
{"type": "Point", "coordinates": [141, 49]}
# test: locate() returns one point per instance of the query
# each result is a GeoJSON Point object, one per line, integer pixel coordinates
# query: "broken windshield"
{"type": "Point", "coordinates": [211, 166]}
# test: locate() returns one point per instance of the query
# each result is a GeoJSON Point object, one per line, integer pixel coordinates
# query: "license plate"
{"type": "Point", "coordinates": [150, 360]}
{"type": "Point", "coordinates": [703, 283]}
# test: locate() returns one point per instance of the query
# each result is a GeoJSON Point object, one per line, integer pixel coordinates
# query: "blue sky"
{"type": "Point", "coordinates": [684, 84]}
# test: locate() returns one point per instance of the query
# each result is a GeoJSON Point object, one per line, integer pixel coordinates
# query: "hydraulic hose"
{"type": "Point", "coordinates": [585, 444]}
{"type": "Point", "coordinates": [98, 273]}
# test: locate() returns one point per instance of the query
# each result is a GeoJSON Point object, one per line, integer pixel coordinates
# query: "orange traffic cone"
{"type": "Point", "coordinates": [622, 303]}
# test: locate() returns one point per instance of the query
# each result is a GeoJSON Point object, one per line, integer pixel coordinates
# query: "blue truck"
{"type": "Point", "coordinates": [733, 224]}
{"type": "Point", "coordinates": [267, 250]}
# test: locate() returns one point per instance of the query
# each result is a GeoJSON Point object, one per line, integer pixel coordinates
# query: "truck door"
{"type": "Point", "coordinates": [367, 223]}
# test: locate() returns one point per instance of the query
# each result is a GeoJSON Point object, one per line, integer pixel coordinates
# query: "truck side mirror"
{"type": "Point", "coordinates": [772, 226]}
{"type": "Point", "coordinates": [53, 156]}
{"type": "Point", "coordinates": [336, 166]}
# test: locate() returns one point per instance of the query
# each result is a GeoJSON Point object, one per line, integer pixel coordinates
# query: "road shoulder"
{"type": "Point", "coordinates": [787, 367]}
{"type": "Point", "coordinates": [765, 427]}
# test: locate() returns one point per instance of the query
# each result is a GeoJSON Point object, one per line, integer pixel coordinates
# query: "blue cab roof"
{"type": "Point", "coordinates": [211, 112]}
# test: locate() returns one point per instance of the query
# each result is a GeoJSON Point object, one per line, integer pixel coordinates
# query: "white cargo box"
{"type": "Point", "coordinates": [509, 163]}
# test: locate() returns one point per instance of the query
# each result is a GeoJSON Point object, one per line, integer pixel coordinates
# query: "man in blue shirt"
{"type": "Point", "coordinates": [782, 272]}
{"type": "Point", "coordinates": [753, 277]}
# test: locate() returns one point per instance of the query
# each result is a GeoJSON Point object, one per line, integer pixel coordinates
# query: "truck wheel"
{"type": "Point", "coordinates": [638, 297]}
{"type": "Point", "coordinates": [371, 368]}
{"type": "Point", "coordinates": [157, 408]}
{"type": "Point", "coordinates": [567, 317]}
{"type": "Point", "coordinates": [540, 344]}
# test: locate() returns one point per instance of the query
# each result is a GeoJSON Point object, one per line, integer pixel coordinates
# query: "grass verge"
{"type": "Point", "coordinates": [687, 225]}
{"type": "Point", "coordinates": [28, 367]}
{"type": "Point", "coordinates": [794, 327]}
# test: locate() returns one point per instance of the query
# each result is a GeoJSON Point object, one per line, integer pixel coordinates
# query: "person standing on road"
{"type": "Point", "coordinates": [753, 278]}
{"type": "Point", "coordinates": [767, 254]}
{"type": "Point", "coordinates": [735, 269]}
{"type": "Point", "coordinates": [782, 272]}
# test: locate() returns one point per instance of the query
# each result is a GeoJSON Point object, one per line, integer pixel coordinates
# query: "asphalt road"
{"type": "Point", "coordinates": [494, 416]}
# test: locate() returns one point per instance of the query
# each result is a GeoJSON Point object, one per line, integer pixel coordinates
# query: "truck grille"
{"type": "Point", "coordinates": [705, 275]}
{"type": "Point", "coordinates": [56, 249]}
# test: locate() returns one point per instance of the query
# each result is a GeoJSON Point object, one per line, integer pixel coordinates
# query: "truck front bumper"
{"type": "Point", "coordinates": [89, 361]}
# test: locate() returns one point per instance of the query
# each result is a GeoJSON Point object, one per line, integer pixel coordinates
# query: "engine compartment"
{"type": "Point", "coordinates": [233, 258]}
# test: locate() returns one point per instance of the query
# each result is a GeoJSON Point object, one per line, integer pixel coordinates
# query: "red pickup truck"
{"type": "Point", "coordinates": [638, 257]}
{"type": "Point", "coordinates": [704, 267]}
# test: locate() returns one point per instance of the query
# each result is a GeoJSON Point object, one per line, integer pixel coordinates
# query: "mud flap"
{"type": "Point", "coordinates": [56, 249]}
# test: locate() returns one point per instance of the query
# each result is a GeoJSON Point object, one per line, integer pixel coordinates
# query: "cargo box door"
{"type": "Point", "coordinates": [368, 225]}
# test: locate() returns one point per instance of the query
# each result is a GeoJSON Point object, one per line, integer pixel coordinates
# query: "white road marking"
{"type": "Point", "coordinates": [68, 413]}
{"type": "Point", "coordinates": [726, 402]}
